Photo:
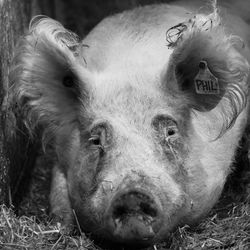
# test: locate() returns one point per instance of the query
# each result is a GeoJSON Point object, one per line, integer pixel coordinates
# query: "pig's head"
{"type": "Point", "coordinates": [136, 153]}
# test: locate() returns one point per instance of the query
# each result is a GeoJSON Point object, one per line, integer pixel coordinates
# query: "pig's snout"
{"type": "Point", "coordinates": [134, 215]}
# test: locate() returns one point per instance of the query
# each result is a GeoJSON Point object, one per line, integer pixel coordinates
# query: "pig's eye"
{"type": "Point", "coordinates": [68, 81]}
{"type": "Point", "coordinates": [166, 126]}
{"type": "Point", "coordinates": [95, 140]}
{"type": "Point", "coordinates": [170, 131]}
{"type": "Point", "coordinates": [100, 136]}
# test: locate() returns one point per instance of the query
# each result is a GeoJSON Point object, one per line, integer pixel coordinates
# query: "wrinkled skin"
{"type": "Point", "coordinates": [139, 152]}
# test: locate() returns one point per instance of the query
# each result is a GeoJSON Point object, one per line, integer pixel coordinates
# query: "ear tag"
{"type": "Point", "coordinates": [205, 82]}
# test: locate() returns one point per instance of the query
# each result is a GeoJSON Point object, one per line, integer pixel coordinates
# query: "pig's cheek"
{"type": "Point", "coordinates": [103, 196]}
{"type": "Point", "coordinates": [173, 181]}
{"type": "Point", "coordinates": [82, 184]}
{"type": "Point", "coordinates": [206, 177]}
{"type": "Point", "coordinates": [172, 196]}
{"type": "Point", "coordinates": [81, 176]}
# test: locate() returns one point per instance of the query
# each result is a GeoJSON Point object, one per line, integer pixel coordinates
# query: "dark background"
{"type": "Point", "coordinates": [81, 16]}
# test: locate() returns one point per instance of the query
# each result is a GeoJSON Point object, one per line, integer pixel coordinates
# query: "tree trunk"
{"type": "Point", "coordinates": [17, 153]}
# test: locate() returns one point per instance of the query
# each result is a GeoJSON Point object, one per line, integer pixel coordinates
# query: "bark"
{"type": "Point", "coordinates": [17, 154]}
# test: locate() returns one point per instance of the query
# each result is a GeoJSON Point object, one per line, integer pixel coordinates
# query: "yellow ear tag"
{"type": "Point", "coordinates": [205, 82]}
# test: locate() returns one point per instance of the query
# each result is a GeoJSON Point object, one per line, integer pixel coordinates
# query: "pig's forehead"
{"type": "Point", "coordinates": [134, 98]}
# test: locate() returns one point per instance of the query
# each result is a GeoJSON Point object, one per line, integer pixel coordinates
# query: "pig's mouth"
{"type": "Point", "coordinates": [134, 218]}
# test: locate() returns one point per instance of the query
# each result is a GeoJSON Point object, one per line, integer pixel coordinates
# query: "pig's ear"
{"type": "Point", "coordinates": [44, 80]}
{"type": "Point", "coordinates": [207, 67]}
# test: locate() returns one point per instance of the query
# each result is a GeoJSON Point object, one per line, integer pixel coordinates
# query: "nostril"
{"type": "Point", "coordinates": [120, 211]}
{"type": "Point", "coordinates": [148, 209]}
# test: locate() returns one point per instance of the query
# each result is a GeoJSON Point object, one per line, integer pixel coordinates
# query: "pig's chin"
{"type": "Point", "coordinates": [134, 227]}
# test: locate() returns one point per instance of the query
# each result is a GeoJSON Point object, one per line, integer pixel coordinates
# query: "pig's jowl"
{"type": "Point", "coordinates": [145, 114]}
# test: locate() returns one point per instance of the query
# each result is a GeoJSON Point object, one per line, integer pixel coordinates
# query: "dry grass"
{"type": "Point", "coordinates": [232, 231]}
{"type": "Point", "coordinates": [28, 233]}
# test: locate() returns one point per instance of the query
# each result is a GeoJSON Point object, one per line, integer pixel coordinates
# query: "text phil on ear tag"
{"type": "Point", "coordinates": [205, 82]}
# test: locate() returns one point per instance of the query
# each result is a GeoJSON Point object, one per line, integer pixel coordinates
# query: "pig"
{"type": "Point", "coordinates": [144, 115]}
